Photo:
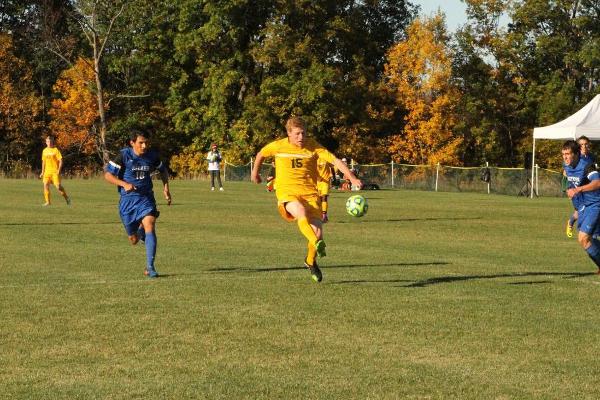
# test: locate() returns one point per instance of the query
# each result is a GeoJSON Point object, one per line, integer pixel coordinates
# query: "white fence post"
{"type": "Point", "coordinates": [392, 174]}
{"type": "Point", "coordinates": [437, 175]}
{"type": "Point", "coordinates": [487, 166]}
{"type": "Point", "coordinates": [536, 180]}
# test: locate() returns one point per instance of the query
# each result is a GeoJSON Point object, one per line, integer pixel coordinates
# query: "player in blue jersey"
{"type": "Point", "coordinates": [131, 171]}
{"type": "Point", "coordinates": [588, 157]}
{"type": "Point", "coordinates": [584, 191]}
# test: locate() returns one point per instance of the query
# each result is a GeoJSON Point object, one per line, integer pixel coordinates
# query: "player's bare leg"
{"type": "Point", "coordinates": [297, 210]}
{"type": "Point", "coordinates": [134, 239]}
{"type": "Point", "coordinates": [63, 193]}
{"type": "Point", "coordinates": [591, 247]}
{"type": "Point", "coordinates": [46, 194]}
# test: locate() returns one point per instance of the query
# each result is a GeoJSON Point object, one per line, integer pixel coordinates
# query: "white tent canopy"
{"type": "Point", "coordinates": [585, 122]}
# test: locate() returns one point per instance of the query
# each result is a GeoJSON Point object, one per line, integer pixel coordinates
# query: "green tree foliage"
{"type": "Point", "coordinates": [536, 71]}
{"type": "Point", "coordinates": [140, 68]}
{"type": "Point", "coordinates": [247, 65]}
{"type": "Point", "coordinates": [232, 71]}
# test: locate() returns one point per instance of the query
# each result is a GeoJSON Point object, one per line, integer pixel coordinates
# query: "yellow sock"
{"type": "Point", "coordinates": [47, 196]}
{"type": "Point", "coordinates": [311, 255]}
{"type": "Point", "coordinates": [307, 230]}
{"type": "Point", "coordinates": [324, 205]}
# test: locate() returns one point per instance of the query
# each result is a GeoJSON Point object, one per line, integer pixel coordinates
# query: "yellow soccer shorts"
{"type": "Point", "coordinates": [323, 188]}
{"type": "Point", "coordinates": [52, 178]}
{"type": "Point", "coordinates": [311, 203]}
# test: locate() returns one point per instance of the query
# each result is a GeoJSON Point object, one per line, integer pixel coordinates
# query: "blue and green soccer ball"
{"type": "Point", "coordinates": [357, 205]}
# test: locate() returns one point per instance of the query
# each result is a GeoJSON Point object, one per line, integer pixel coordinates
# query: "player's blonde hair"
{"type": "Point", "coordinates": [295, 122]}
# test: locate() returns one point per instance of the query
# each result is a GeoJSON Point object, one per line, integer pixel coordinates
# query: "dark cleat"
{"type": "Point", "coordinates": [315, 272]}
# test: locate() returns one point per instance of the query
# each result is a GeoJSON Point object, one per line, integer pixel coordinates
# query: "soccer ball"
{"type": "Point", "coordinates": [356, 205]}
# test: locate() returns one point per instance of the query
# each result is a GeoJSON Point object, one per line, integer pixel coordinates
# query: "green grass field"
{"type": "Point", "coordinates": [429, 296]}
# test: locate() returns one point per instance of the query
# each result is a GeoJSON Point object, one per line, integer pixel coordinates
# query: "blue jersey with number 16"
{"type": "Point", "coordinates": [136, 170]}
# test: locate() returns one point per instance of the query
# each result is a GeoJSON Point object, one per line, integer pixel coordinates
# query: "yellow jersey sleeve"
{"type": "Point", "coordinates": [325, 173]}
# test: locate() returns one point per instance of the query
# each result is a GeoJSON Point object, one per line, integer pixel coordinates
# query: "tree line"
{"type": "Point", "coordinates": [375, 80]}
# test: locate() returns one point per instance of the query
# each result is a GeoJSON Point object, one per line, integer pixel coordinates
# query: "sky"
{"type": "Point", "coordinates": [455, 11]}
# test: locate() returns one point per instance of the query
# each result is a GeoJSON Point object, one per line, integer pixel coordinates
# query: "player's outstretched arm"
{"type": "Point", "coordinates": [164, 176]}
{"type": "Point", "coordinates": [340, 165]}
{"type": "Point", "coordinates": [110, 178]}
{"type": "Point", "coordinates": [593, 185]}
{"type": "Point", "coordinates": [255, 176]}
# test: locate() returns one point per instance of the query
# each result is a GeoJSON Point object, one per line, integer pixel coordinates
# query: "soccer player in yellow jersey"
{"type": "Point", "coordinates": [51, 167]}
{"type": "Point", "coordinates": [296, 158]}
{"type": "Point", "coordinates": [323, 184]}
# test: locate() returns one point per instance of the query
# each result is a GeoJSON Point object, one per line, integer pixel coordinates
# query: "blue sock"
{"type": "Point", "coordinates": [594, 252]}
{"type": "Point", "coordinates": [150, 249]}
{"type": "Point", "coordinates": [141, 234]}
{"type": "Point", "coordinates": [572, 220]}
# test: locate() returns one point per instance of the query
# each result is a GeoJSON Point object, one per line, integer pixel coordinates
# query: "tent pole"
{"type": "Point", "coordinates": [532, 167]}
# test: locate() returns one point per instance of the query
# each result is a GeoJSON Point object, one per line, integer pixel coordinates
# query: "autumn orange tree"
{"type": "Point", "coordinates": [418, 73]}
{"type": "Point", "coordinates": [75, 111]}
{"type": "Point", "coordinates": [20, 125]}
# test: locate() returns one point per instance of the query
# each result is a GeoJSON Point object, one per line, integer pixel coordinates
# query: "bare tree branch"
{"type": "Point", "coordinates": [83, 26]}
{"type": "Point", "coordinates": [69, 62]}
{"type": "Point", "coordinates": [112, 21]}
{"type": "Point", "coordinates": [127, 96]}
{"type": "Point", "coordinates": [62, 57]}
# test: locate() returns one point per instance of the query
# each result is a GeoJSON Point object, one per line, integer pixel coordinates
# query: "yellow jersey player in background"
{"type": "Point", "coordinates": [51, 166]}
{"type": "Point", "coordinates": [323, 184]}
{"type": "Point", "coordinates": [296, 158]}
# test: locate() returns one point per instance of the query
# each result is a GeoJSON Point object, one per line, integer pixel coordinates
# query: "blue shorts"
{"type": "Point", "coordinates": [588, 220]}
{"type": "Point", "coordinates": [134, 208]}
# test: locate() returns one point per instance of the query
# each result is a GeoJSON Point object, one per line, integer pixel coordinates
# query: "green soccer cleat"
{"type": "Point", "coordinates": [569, 230]}
{"type": "Point", "coordinates": [320, 246]}
{"type": "Point", "coordinates": [315, 272]}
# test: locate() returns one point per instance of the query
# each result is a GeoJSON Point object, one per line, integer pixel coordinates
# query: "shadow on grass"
{"type": "Point", "coordinates": [412, 220]}
{"type": "Point", "coordinates": [56, 223]}
{"type": "Point", "coordinates": [162, 276]}
{"type": "Point", "coordinates": [246, 269]}
{"type": "Point", "coordinates": [450, 279]}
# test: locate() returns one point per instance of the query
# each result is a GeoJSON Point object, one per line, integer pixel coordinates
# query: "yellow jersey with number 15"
{"type": "Point", "coordinates": [51, 157]}
{"type": "Point", "coordinates": [296, 168]}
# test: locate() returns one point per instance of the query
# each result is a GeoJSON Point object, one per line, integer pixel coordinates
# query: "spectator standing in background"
{"type": "Point", "coordinates": [214, 166]}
